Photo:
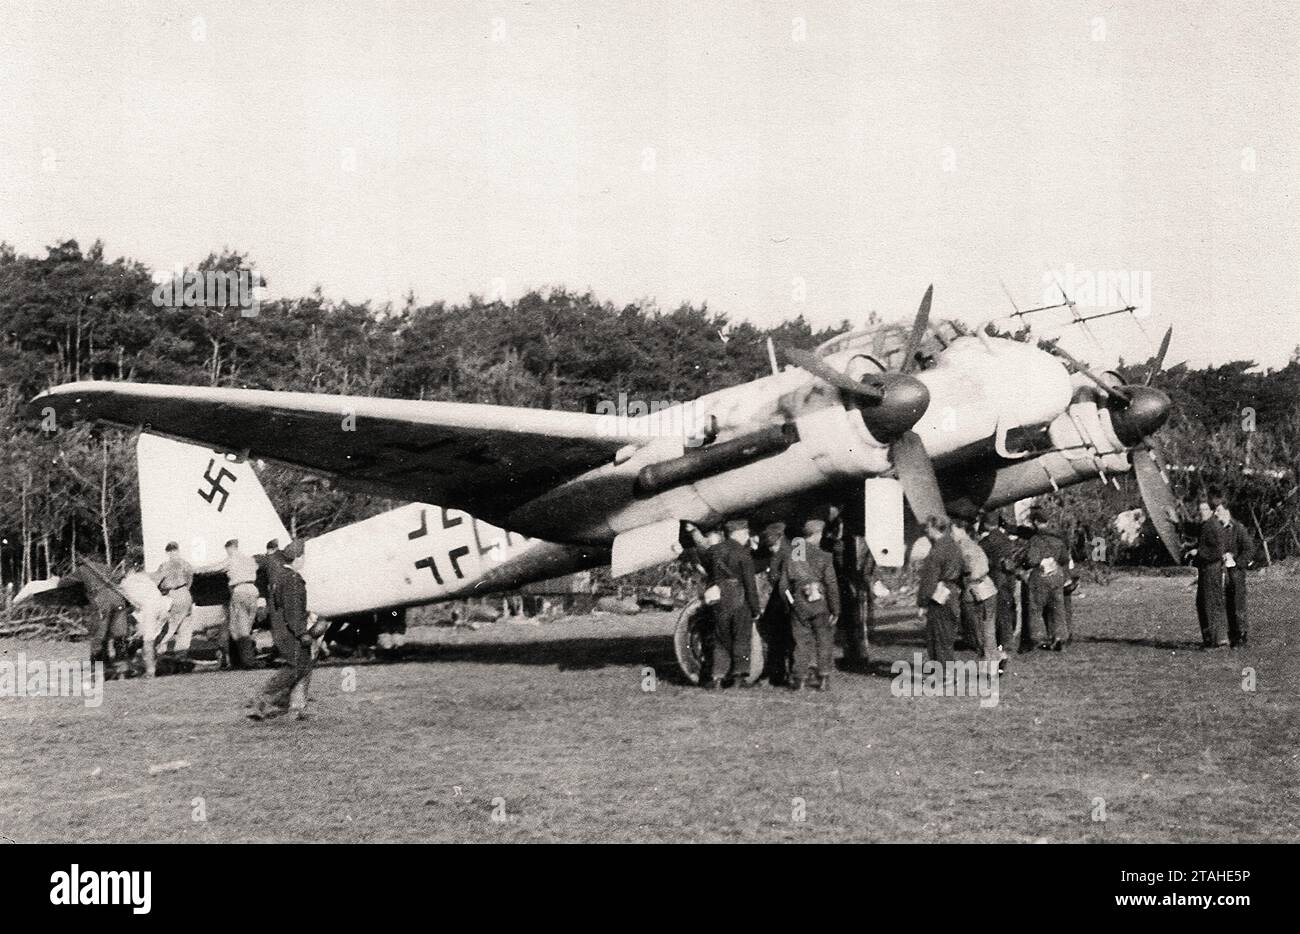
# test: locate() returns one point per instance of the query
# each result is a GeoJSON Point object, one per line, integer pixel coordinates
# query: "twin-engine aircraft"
{"type": "Point", "coordinates": [962, 425]}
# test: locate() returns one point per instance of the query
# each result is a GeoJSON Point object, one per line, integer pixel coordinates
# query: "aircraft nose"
{"type": "Point", "coordinates": [905, 400]}
{"type": "Point", "coordinates": [1145, 412]}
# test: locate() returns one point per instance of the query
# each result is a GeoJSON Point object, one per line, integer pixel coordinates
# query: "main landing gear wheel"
{"type": "Point", "coordinates": [689, 641]}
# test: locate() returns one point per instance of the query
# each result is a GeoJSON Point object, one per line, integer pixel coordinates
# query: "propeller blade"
{"type": "Point", "coordinates": [882, 527]}
{"type": "Point", "coordinates": [1158, 499]}
{"type": "Point", "coordinates": [807, 360]}
{"type": "Point", "coordinates": [916, 474]}
{"type": "Point", "coordinates": [1159, 363]}
{"type": "Point", "coordinates": [919, 327]}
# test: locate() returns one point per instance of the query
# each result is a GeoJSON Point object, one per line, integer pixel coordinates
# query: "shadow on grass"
{"type": "Point", "coordinates": [1184, 644]}
{"type": "Point", "coordinates": [576, 654]}
{"type": "Point", "coordinates": [589, 654]}
{"type": "Point", "coordinates": [874, 668]}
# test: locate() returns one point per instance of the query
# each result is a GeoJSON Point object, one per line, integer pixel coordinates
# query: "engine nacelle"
{"type": "Point", "coordinates": [833, 445]}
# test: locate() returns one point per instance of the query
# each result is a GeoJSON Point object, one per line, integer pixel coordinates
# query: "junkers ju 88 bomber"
{"type": "Point", "coordinates": [929, 422]}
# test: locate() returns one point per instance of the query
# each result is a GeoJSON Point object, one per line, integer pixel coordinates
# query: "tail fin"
{"type": "Point", "coordinates": [200, 499]}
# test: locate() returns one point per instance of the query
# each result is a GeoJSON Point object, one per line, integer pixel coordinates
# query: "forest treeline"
{"type": "Point", "coordinates": [73, 314]}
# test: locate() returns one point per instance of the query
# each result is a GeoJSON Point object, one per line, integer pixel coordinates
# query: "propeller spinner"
{"type": "Point", "coordinates": [1136, 413]}
{"type": "Point", "coordinates": [890, 403]}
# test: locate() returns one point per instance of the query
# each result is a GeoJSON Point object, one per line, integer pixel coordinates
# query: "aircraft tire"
{"type": "Point", "coordinates": [688, 643]}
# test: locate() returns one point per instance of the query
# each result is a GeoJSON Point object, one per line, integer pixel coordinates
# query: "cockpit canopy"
{"type": "Point", "coordinates": [886, 343]}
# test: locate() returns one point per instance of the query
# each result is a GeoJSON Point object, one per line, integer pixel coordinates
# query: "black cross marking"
{"type": "Point", "coordinates": [455, 555]}
{"type": "Point", "coordinates": [448, 522]}
{"type": "Point", "coordinates": [479, 542]}
{"type": "Point", "coordinates": [431, 565]}
{"type": "Point", "coordinates": [211, 494]}
{"type": "Point", "coordinates": [423, 530]}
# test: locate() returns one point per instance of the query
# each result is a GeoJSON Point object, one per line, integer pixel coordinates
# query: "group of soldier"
{"type": "Point", "coordinates": [973, 580]}
{"type": "Point", "coordinates": [798, 621]}
{"type": "Point", "coordinates": [161, 603]}
{"type": "Point", "coordinates": [986, 583]}
{"type": "Point", "coordinates": [978, 571]}
{"type": "Point", "coordinates": [1222, 551]}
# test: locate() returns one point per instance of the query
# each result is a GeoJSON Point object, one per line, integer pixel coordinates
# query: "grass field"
{"type": "Point", "coordinates": [552, 722]}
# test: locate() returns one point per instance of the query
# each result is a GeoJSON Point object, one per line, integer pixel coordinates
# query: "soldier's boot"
{"type": "Point", "coordinates": [824, 683]}
{"type": "Point", "coordinates": [247, 650]}
{"type": "Point", "coordinates": [150, 659]}
{"type": "Point", "coordinates": [226, 653]}
{"type": "Point", "coordinates": [796, 684]}
{"type": "Point", "coordinates": [298, 700]}
{"type": "Point", "coordinates": [121, 657]}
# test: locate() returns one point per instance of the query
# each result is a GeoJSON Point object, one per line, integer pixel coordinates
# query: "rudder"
{"type": "Point", "coordinates": [200, 499]}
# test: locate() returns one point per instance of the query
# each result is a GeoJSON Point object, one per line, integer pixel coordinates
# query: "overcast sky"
{"type": "Point", "coordinates": [768, 158]}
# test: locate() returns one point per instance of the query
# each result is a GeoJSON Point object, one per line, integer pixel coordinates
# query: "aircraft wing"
{"type": "Point", "coordinates": [484, 459]}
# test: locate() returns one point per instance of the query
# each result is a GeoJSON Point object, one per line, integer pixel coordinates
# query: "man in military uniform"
{"type": "Point", "coordinates": [978, 594]}
{"type": "Point", "coordinates": [150, 609]}
{"type": "Point", "coordinates": [733, 600]}
{"type": "Point", "coordinates": [854, 569]}
{"type": "Point", "coordinates": [938, 590]}
{"type": "Point", "coordinates": [1238, 554]}
{"type": "Point", "coordinates": [291, 630]}
{"type": "Point", "coordinates": [774, 625]}
{"type": "Point", "coordinates": [241, 576]}
{"type": "Point", "coordinates": [1047, 560]}
{"type": "Point", "coordinates": [174, 577]}
{"type": "Point", "coordinates": [1208, 558]}
{"type": "Point", "coordinates": [271, 567]}
{"type": "Point", "coordinates": [110, 624]}
{"type": "Point", "coordinates": [1004, 551]}
{"type": "Point", "coordinates": [814, 594]}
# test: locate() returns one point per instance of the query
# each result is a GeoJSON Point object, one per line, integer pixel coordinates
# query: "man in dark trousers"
{"type": "Point", "coordinates": [815, 605]}
{"type": "Point", "coordinates": [1047, 560]}
{"type": "Point", "coordinates": [1004, 551]}
{"type": "Point", "coordinates": [270, 568]}
{"type": "Point", "coordinates": [290, 628]}
{"type": "Point", "coordinates": [110, 624]}
{"type": "Point", "coordinates": [938, 592]}
{"type": "Point", "coordinates": [855, 567]}
{"type": "Point", "coordinates": [1208, 558]}
{"type": "Point", "coordinates": [733, 599]}
{"type": "Point", "coordinates": [774, 626]}
{"type": "Point", "coordinates": [1238, 554]}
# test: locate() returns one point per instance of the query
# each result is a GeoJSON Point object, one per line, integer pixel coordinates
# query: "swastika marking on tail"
{"type": "Point", "coordinates": [211, 494]}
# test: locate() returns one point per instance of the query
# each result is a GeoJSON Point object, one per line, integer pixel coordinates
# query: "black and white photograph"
{"type": "Point", "coordinates": [674, 422]}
